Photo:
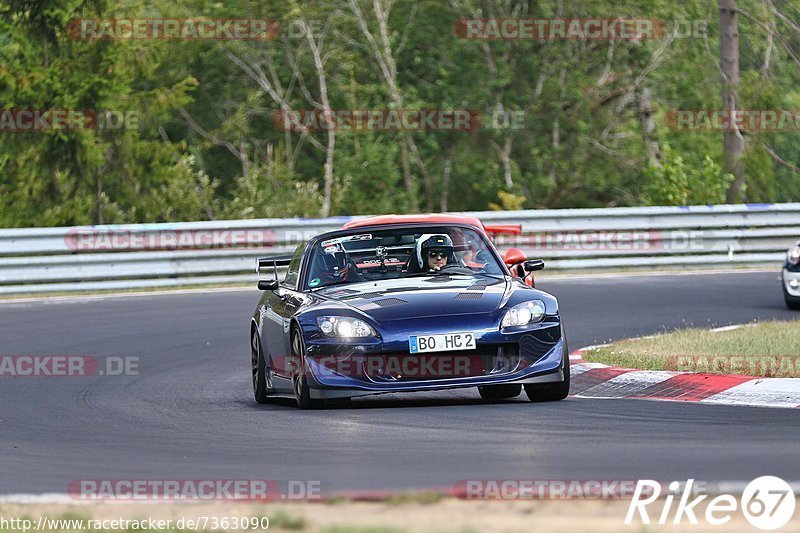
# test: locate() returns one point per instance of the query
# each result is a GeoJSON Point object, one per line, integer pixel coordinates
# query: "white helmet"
{"type": "Point", "coordinates": [436, 242]}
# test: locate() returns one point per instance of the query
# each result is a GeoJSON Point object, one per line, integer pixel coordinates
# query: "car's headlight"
{"type": "Point", "coordinates": [524, 313]}
{"type": "Point", "coordinates": [344, 327]}
{"type": "Point", "coordinates": [794, 255]}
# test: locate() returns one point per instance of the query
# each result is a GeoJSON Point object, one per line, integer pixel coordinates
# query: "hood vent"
{"type": "Point", "coordinates": [389, 302]}
{"type": "Point", "coordinates": [341, 292]}
{"type": "Point", "coordinates": [363, 295]}
{"type": "Point", "coordinates": [468, 296]}
{"type": "Point", "coordinates": [481, 285]}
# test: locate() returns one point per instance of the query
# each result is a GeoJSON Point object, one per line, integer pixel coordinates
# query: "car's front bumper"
{"type": "Point", "coordinates": [527, 356]}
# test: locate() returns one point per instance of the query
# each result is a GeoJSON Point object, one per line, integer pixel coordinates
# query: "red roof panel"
{"type": "Point", "coordinates": [438, 218]}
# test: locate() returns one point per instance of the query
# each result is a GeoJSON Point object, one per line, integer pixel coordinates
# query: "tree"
{"type": "Point", "coordinates": [729, 66]}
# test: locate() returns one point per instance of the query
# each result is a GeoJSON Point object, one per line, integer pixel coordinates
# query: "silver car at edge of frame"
{"type": "Point", "coordinates": [791, 277]}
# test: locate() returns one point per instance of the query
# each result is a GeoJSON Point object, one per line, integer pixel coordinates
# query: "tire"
{"type": "Point", "coordinates": [302, 392]}
{"type": "Point", "coordinates": [259, 369]}
{"type": "Point", "coordinates": [551, 392]}
{"type": "Point", "coordinates": [499, 392]}
{"type": "Point", "coordinates": [792, 302]}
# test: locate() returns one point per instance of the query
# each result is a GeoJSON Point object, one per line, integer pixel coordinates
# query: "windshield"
{"type": "Point", "coordinates": [369, 255]}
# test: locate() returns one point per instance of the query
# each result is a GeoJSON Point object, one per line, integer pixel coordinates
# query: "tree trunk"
{"type": "Point", "coordinates": [326, 109]}
{"type": "Point", "coordinates": [99, 198]}
{"type": "Point", "coordinates": [427, 181]}
{"type": "Point", "coordinates": [408, 179]}
{"type": "Point", "coordinates": [448, 168]}
{"type": "Point", "coordinates": [504, 153]}
{"type": "Point", "coordinates": [733, 141]}
{"type": "Point", "coordinates": [329, 150]}
{"type": "Point", "coordinates": [505, 157]}
{"type": "Point", "coordinates": [652, 148]}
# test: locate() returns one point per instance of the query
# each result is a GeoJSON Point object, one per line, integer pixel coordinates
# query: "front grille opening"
{"type": "Point", "coordinates": [487, 360]}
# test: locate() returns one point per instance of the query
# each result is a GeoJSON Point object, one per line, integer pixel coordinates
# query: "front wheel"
{"type": "Point", "coordinates": [259, 369]}
{"type": "Point", "coordinates": [302, 392]}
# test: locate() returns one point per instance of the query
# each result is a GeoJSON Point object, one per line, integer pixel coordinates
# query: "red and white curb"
{"type": "Point", "coordinates": [596, 380]}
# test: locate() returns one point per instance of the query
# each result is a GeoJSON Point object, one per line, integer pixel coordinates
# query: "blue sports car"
{"type": "Point", "coordinates": [404, 304]}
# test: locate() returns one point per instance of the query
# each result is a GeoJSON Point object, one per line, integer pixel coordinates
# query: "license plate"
{"type": "Point", "coordinates": [441, 343]}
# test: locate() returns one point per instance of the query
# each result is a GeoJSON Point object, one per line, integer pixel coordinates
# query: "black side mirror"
{"type": "Point", "coordinates": [533, 265]}
{"type": "Point", "coordinates": [267, 284]}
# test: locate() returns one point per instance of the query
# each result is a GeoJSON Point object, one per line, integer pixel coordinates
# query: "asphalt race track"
{"type": "Point", "coordinates": [189, 414]}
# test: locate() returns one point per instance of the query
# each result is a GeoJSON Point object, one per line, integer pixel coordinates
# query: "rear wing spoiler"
{"type": "Point", "coordinates": [493, 230]}
{"type": "Point", "coordinates": [262, 263]}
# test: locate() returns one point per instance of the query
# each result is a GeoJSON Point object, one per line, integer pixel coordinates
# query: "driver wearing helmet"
{"type": "Point", "coordinates": [434, 252]}
{"type": "Point", "coordinates": [333, 266]}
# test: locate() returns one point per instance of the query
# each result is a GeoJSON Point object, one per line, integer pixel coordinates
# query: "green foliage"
{"type": "Point", "coordinates": [372, 181]}
{"type": "Point", "coordinates": [679, 183]}
{"type": "Point", "coordinates": [508, 202]}
{"type": "Point", "coordinates": [206, 146]}
{"type": "Point", "coordinates": [272, 192]}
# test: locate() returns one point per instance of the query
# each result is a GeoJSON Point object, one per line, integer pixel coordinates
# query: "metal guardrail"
{"type": "Point", "coordinates": [190, 253]}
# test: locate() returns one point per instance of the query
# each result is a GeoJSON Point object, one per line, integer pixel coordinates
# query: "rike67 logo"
{"type": "Point", "coordinates": [767, 502]}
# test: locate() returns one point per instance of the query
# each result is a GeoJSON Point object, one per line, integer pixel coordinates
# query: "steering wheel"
{"type": "Point", "coordinates": [458, 269]}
